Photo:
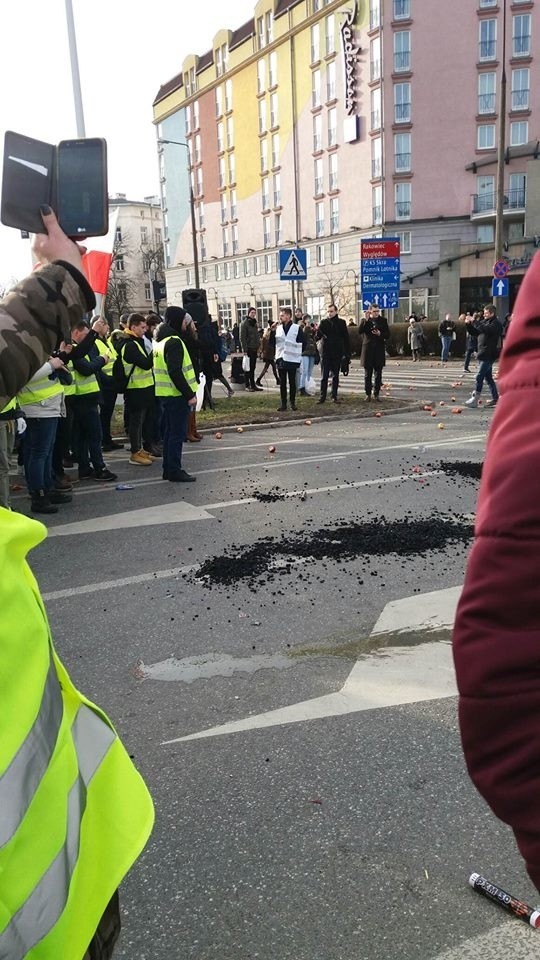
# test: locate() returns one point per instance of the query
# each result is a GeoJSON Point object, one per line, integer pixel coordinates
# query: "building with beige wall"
{"type": "Point", "coordinates": [318, 123]}
{"type": "Point", "coordinates": [138, 254]}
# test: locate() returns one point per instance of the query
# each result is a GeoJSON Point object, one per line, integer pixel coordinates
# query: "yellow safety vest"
{"type": "Point", "coordinates": [12, 405]}
{"type": "Point", "coordinates": [140, 378]}
{"type": "Point", "coordinates": [75, 813]}
{"type": "Point", "coordinates": [69, 388]}
{"type": "Point", "coordinates": [103, 349]}
{"type": "Point", "coordinates": [164, 385]}
{"type": "Point", "coordinates": [84, 385]}
{"type": "Point", "coordinates": [36, 391]}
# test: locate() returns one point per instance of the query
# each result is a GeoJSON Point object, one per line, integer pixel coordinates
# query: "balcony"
{"type": "Point", "coordinates": [520, 100]}
{"type": "Point", "coordinates": [487, 103]}
{"type": "Point", "coordinates": [484, 205]}
{"type": "Point", "coordinates": [402, 61]}
{"type": "Point", "coordinates": [402, 162]}
{"type": "Point", "coordinates": [487, 50]}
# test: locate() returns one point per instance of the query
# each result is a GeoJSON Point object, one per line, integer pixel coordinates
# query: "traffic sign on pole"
{"type": "Point", "coordinates": [293, 264]}
{"type": "Point", "coordinates": [500, 288]}
{"type": "Point", "coordinates": [500, 269]}
{"type": "Point", "coordinates": [380, 267]}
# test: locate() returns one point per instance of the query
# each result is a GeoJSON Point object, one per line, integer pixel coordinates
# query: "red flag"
{"type": "Point", "coordinates": [97, 261]}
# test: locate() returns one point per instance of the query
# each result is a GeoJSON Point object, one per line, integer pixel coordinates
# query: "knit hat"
{"type": "Point", "coordinates": [174, 317]}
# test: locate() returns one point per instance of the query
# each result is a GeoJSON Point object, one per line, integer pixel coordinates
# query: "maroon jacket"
{"type": "Point", "coordinates": [497, 629]}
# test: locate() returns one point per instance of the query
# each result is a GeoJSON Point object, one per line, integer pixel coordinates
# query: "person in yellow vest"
{"type": "Point", "coordinates": [41, 401]}
{"type": "Point", "coordinates": [85, 406]}
{"type": "Point", "coordinates": [139, 393]}
{"type": "Point", "coordinates": [176, 387]}
{"type": "Point", "coordinates": [8, 416]}
{"type": "Point", "coordinates": [106, 385]}
{"type": "Point", "coordinates": [75, 813]}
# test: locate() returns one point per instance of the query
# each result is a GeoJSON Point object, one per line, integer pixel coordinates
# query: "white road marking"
{"type": "Point", "coordinates": [180, 512]}
{"type": "Point", "coordinates": [396, 676]}
{"type": "Point", "coordinates": [149, 577]}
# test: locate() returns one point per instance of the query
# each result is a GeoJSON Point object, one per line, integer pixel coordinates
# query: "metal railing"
{"type": "Point", "coordinates": [487, 202]}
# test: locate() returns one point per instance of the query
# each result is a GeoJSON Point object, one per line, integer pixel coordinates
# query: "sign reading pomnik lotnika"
{"type": "Point", "coordinates": [350, 56]}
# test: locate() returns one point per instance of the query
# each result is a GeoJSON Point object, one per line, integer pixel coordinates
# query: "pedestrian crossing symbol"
{"type": "Point", "coordinates": [292, 265]}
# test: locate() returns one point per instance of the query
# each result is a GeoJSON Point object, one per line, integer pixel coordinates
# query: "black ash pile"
{"type": "Point", "coordinates": [462, 468]}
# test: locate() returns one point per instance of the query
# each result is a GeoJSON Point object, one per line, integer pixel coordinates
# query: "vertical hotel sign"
{"type": "Point", "coordinates": [350, 56]}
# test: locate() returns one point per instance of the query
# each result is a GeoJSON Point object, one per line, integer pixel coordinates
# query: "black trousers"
{"type": "Point", "coordinates": [140, 427]}
{"type": "Point", "coordinates": [268, 363]}
{"type": "Point", "coordinates": [252, 354]}
{"type": "Point", "coordinates": [329, 365]}
{"type": "Point", "coordinates": [368, 380]}
{"type": "Point", "coordinates": [287, 372]}
{"type": "Point", "coordinates": [106, 410]}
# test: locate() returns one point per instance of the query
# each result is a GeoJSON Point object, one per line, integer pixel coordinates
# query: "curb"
{"type": "Point", "coordinates": [233, 427]}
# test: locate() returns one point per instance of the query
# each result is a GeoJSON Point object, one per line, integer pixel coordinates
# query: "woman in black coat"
{"type": "Point", "coordinates": [374, 332]}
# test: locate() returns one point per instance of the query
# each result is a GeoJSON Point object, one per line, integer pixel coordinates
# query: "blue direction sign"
{"type": "Point", "coordinates": [500, 288]}
{"type": "Point", "coordinates": [293, 264]}
{"type": "Point", "coordinates": [380, 271]}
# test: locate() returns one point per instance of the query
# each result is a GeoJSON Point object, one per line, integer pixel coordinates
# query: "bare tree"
{"type": "Point", "coordinates": [121, 288]}
{"type": "Point", "coordinates": [337, 289]}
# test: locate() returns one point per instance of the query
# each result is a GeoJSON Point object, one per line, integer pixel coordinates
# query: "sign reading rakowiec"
{"type": "Point", "coordinates": [350, 56]}
{"type": "Point", "coordinates": [380, 271]}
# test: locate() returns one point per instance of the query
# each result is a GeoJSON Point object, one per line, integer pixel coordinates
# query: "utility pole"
{"type": "Point", "coordinates": [501, 302]}
{"type": "Point", "coordinates": [75, 77]}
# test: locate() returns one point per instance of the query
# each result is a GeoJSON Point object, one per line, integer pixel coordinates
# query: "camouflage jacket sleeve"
{"type": "Point", "coordinates": [34, 318]}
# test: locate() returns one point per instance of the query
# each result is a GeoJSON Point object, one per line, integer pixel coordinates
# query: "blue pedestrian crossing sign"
{"type": "Point", "coordinates": [293, 264]}
{"type": "Point", "coordinates": [500, 288]}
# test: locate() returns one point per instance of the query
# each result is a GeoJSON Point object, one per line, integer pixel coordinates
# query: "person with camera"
{"type": "Point", "coordinates": [336, 349]}
{"type": "Point", "coordinates": [84, 403]}
{"type": "Point", "coordinates": [74, 780]}
{"type": "Point", "coordinates": [374, 333]}
{"type": "Point", "coordinates": [488, 329]}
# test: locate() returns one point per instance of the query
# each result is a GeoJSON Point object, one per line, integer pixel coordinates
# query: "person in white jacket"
{"type": "Point", "coordinates": [289, 343]}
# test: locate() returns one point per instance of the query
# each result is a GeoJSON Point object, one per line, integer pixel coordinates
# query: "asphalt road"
{"type": "Point", "coordinates": [348, 836]}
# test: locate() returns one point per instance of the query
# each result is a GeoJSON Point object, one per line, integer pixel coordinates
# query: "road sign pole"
{"type": "Point", "coordinates": [292, 299]}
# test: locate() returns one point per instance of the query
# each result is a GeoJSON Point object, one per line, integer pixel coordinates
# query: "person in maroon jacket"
{"type": "Point", "coordinates": [497, 628]}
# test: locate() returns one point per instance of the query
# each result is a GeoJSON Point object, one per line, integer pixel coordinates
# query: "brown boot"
{"type": "Point", "coordinates": [191, 436]}
{"type": "Point", "coordinates": [196, 434]}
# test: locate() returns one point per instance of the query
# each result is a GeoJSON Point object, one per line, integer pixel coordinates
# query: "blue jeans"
{"type": "Point", "coordinates": [174, 417]}
{"type": "Point", "coordinates": [484, 373]}
{"type": "Point", "coordinates": [445, 351]}
{"type": "Point", "coordinates": [468, 357]}
{"type": "Point", "coordinates": [306, 371]}
{"type": "Point", "coordinates": [38, 446]}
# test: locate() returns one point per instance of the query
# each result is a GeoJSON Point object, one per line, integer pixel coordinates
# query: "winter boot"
{"type": "Point", "coordinates": [41, 503]}
{"type": "Point", "coordinates": [196, 434]}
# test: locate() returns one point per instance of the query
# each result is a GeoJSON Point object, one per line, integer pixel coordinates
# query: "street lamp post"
{"type": "Point", "coordinates": [181, 143]}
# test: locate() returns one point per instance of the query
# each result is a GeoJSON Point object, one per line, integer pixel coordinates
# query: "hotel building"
{"type": "Point", "coordinates": [320, 122]}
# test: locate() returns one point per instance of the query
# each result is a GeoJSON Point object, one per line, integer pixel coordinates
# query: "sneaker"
{"type": "Point", "coordinates": [62, 483]}
{"type": "Point", "coordinates": [154, 452]}
{"type": "Point", "coordinates": [141, 458]}
{"type": "Point", "coordinates": [105, 476]}
{"type": "Point", "coordinates": [112, 445]}
{"type": "Point", "coordinates": [258, 390]}
{"type": "Point", "coordinates": [87, 474]}
{"type": "Point", "coordinates": [472, 401]}
{"type": "Point", "coordinates": [281, 409]}
{"type": "Point", "coordinates": [321, 401]}
{"type": "Point", "coordinates": [56, 497]}
{"type": "Point", "coordinates": [293, 406]}
{"type": "Point", "coordinates": [491, 403]}
{"type": "Point", "coordinates": [42, 504]}
{"type": "Point", "coordinates": [181, 477]}
{"type": "Point", "coordinates": [367, 398]}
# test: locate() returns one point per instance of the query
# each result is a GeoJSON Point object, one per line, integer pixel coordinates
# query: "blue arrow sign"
{"type": "Point", "coordinates": [380, 272]}
{"type": "Point", "coordinates": [500, 288]}
{"type": "Point", "coordinates": [386, 300]}
{"type": "Point", "coordinates": [293, 264]}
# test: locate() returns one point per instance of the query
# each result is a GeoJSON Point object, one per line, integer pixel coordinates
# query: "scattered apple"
{"type": "Point", "coordinates": [218, 436]}
{"type": "Point", "coordinates": [271, 449]}
{"type": "Point", "coordinates": [441, 403]}
{"type": "Point", "coordinates": [456, 409]}
{"type": "Point", "coordinates": [239, 429]}
{"type": "Point", "coordinates": [378, 414]}
{"type": "Point", "coordinates": [307, 423]}
{"type": "Point", "coordinates": [440, 426]}
{"type": "Point", "coordinates": [433, 413]}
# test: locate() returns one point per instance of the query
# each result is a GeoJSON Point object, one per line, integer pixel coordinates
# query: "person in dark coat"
{"type": "Point", "coordinates": [336, 349]}
{"type": "Point", "coordinates": [185, 324]}
{"type": "Point", "coordinates": [489, 333]}
{"type": "Point", "coordinates": [496, 639]}
{"type": "Point", "coordinates": [374, 333]}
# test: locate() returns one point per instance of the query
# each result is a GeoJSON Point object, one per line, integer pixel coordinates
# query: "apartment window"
{"type": "Point", "coordinates": [234, 238]}
{"type": "Point", "coordinates": [260, 33]}
{"type": "Point", "coordinates": [404, 238]}
{"type": "Point", "coordinates": [402, 50]}
{"type": "Point", "coordinates": [197, 149]}
{"type": "Point", "coordinates": [317, 133]}
{"type": "Point", "coordinates": [402, 9]}
{"type": "Point", "coordinates": [376, 205]}
{"type": "Point", "coordinates": [402, 152]}
{"type": "Point", "coordinates": [233, 204]}
{"type": "Point", "coordinates": [517, 186]}
{"type": "Point", "coordinates": [268, 266]}
{"type": "Point", "coordinates": [219, 101]}
{"type": "Point", "coordinates": [376, 109]}
{"type": "Point", "coordinates": [264, 154]}
{"type": "Point", "coordinates": [223, 204]}
{"type": "Point", "coordinates": [334, 215]}
{"type": "Point", "coordinates": [225, 313]}
{"type": "Point", "coordinates": [402, 103]}
{"type": "Point", "coordinates": [333, 171]}
{"type": "Point", "coordinates": [221, 162]}
{"type": "Point", "coordinates": [218, 272]}
{"type": "Point", "coordinates": [189, 125]}
{"type": "Point", "coordinates": [332, 127]}
{"type": "Point", "coordinates": [236, 269]}
{"type": "Point", "coordinates": [316, 88]}
{"type": "Point", "coordinates": [376, 158]}
{"type": "Point", "coordinates": [188, 277]}
{"type": "Point", "coordinates": [329, 33]}
{"type": "Point", "coordinates": [147, 292]}
{"type": "Point", "coordinates": [331, 81]}
{"type": "Point", "coordinates": [204, 269]}
{"type": "Point", "coordinates": [319, 254]}
{"type": "Point", "coordinates": [220, 141]}
{"type": "Point", "coordinates": [275, 149]}
{"type": "Point", "coordinates": [272, 62]}
{"type": "Point", "coordinates": [232, 169]}
{"type": "Point", "coordinates": [319, 219]}
{"type": "Point", "coordinates": [277, 229]}
{"type": "Point", "coordinates": [119, 264]}
{"type": "Point", "coordinates": [315, 43]}
{"type": "Point", "coordinates": [144, 234]}
{"type": "Point", "coordinates": [486, 136]}
{"type": "Point", "coordinates": [225, 241]}
{"type": "Point", "coordinates": [221, 59]}
{"type": "Point", "coordinates": [520, 89]}
{"type": "Point", "coordinates": [227, 271]}
{"type": "Point", "coordinates": [374, 14]}
{"type": "Point", "coordinates": [274, 108]}
{"type": "Point", "coordinates": [516, 231]}
{"type": "Point", "coordinates": [196, 115]}
{"type": "Point", "coordinates": [277, 189]}
{"type": "Point", "coordinates": [230, 133]}
{"type": "Point", "coordinates": [265, 193]}
{"type": "Point", "coordinates": [375, 59]}
{"type": "Point", "coordinates": [157, 236]}
{"type": "Point", "coordinates": [203, 257]}
{"type": "Point", "coordinates": [487, 40]}
{"type": "Point", "coordinates": [262, 116]}
{"type": "Point", "coordinates": [266, 232]}
{"type": "Point", "coordinates": [247, 267]}
{"type": "Point", "coordinates": [268, 26]}
{"type": "Point", "coordinates": [403, 201]}
{"type": "Point", "coordinates": [228, 95]}
{"type": "Point", "coordinates": [318, 176]}
{"type": "Point", "coordinates": [519, 133]}
{"type": "Point", "coordinates": [521, 35]}
{"type": "Point", "coordinates": [146, 263]}
{"type": "Point", "coordinates": [487, 96]}
{"type": "Point", "coordinates": [488, 3]}
{"type": "Point", "coordinates": [256, 266]}
{"type": "Point", "coordinates": [264, 312]}
{"type": "Point", "coordinates": [198, 182]}
{"type": "Point", "coordinates": [485, 233]}
{"type": "Point", "coordinates": [485, 196]}
{"type": "Point", "coordinates": [200, 210]}
{"type": "Point", "coordinates": [261, 75]}
{"type": "Point", "coordinates": [334, 252]}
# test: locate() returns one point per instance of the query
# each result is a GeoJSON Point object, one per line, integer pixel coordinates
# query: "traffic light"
{"type": "Point", "coordinates": [159, 289]}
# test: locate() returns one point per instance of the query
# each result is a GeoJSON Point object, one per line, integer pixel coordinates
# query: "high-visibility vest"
{"type": "Point", "coordinates": [37, 390]}
{"type": "Point", "coordinates": [75, 813]}
{"type": "Point", "coordinates": [69, 388]}
{"type": "Point", "coordinates": [84, 385]}
{"type": "Point", "coordinates": [287, 347]}
{"type": "Point", "coordinates": [164, 385]}
{"type": "Point", "coordinates": [12, 405]}
{"type": "Point", "coordinates": [109, 349]}
{"type": "Point", "coordinates": [140, 378]}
